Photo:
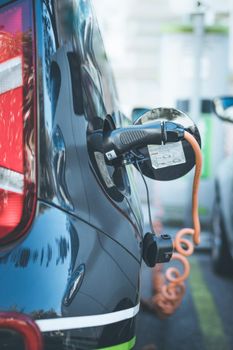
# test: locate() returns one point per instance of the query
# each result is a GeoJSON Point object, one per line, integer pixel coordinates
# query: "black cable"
{"type": "Point", "coordinates": [132, 211]}
{"type": "Point", "coordinates": [138, 156]}
{"type": "Point", "coordinates": [136, 160]}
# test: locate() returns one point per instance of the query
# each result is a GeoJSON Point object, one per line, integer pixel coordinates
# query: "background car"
{"type": "Point", "coordinates": [222, 247]}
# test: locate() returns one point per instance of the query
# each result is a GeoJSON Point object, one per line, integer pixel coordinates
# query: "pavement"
{"type": "Point", "coordinates": [204, 321]}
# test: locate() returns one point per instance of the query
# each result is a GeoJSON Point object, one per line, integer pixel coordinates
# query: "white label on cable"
{"type": "Point", "coordinates": [111, 155]}
{"type": "Point", "coordinates": [166, 155]}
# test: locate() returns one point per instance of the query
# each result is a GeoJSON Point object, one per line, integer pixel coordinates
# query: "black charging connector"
{"type": "Point", "coordinates": [157, 249]}
{"type": "Point", "coordinates": [122, 140]}
{"type": "Point", "coordinates": [173, 132]}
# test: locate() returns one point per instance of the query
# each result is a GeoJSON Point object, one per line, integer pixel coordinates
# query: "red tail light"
{"type": "Point", "coordinates": [17, 119]}
{"type": "Point", "coordinates": [25, 327]}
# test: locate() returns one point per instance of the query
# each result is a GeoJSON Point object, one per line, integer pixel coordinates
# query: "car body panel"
{"type": "Point", "coordinates": [56, 247]}
{"type": "Point", "coordinates": [41, 267]}
{"type": "Point", "coordinates": [72, 128]}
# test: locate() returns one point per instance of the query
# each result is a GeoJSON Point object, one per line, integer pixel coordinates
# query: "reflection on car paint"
{"type": "Point", "coordinates": [74, 284]}
{"type": "Point", "coordinates": [44, 253]}
{"type": "Point", "coordinates": [59, 167]}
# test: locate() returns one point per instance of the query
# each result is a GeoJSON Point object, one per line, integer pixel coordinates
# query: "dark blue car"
{"type": "Point", "coordinates": [71, 230]}
{"type": "Point", "coordinates": [70, 236]}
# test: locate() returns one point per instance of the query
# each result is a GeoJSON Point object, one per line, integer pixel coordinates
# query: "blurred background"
{"type": "Point", "coordinates": [179, 53]}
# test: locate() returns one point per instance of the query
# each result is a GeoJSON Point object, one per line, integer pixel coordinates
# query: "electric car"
{"type": "Point", "coordinates": [70, 239]}
{"type": "Point", "coordinates": [71, 228]}
{"type": "Point", "coordinates": [222, 247]}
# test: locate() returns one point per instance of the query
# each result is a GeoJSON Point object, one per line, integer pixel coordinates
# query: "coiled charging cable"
{"type": "Point", "coordinates": [169, 288]}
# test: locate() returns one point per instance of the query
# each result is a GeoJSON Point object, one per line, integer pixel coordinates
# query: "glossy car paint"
{"type": "Point", "coordinates": [82, 254]}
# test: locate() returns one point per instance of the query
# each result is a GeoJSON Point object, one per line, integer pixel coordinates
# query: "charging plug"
{"type": "Point", "coordinates": [172, 132]}
{"type": "Point", "coordinates": [122, 140]}
{"type": "Point", "coordinates": [157, 249]}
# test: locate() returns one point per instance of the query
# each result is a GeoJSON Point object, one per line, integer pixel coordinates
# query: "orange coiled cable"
{"type": "Point", "coordinates": [169, 288]}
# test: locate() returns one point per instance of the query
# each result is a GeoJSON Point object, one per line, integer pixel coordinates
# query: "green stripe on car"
{"type": "Point", "coordinates": [125, 346]}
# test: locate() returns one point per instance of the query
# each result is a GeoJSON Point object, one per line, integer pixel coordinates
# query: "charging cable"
{"type": "Point", "coordinates": [169, 288]}
{"type": "Point", "coordinates": [119, 145]}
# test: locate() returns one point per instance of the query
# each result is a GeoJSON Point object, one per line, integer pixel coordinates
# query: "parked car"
{"type": "Point", "coordinates": [70, 240]}
{"type": "Point", "coordinates": [71, 228]}
{"type": "Point", "coordinates": [222, 247]}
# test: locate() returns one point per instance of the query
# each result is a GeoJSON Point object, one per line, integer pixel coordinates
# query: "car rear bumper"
{"type": "Point", "coordinates": [93, 332]}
